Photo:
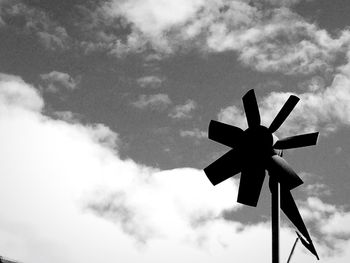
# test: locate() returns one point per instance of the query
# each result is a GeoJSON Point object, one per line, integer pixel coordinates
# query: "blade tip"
{"type": "Point", "coordinates": [249, 93]}
{"type": "Point", "coordinates": [211, 128]}
{"type": "Point", "coordinates": [211, 175]}
{"type": "Point", "coordinates": [208, 174]}
{"type": "Point", "coordinates": [316, 137]}
{"type": "Point", "coordinates": [251, 204]}
{"type": "Point", "coordinates": [294, 97]}
{"type": "Point", "coordinates": [308, 244]}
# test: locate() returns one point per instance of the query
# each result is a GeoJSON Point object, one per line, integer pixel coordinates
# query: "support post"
{"type": "Point", "coordinates": [275, 214]}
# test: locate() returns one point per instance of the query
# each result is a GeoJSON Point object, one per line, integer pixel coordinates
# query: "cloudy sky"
{"type": "Point", "coordinates": [104, 109]}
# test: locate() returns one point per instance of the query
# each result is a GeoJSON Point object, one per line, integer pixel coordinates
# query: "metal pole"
{"type": "Point", "coordinates": [275, 214]}
{"type": "Point", "coordinates": [291, 253]}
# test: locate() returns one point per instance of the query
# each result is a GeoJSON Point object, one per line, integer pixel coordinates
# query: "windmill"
{"type": "Point", "coordinates": [254, 151]}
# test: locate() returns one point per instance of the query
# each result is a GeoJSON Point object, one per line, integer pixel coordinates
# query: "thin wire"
{"type": "Point", "coordinates": [291, 253]}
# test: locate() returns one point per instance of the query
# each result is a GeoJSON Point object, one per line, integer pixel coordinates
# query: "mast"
{"type": "Point", "coordinates": [275, 214]}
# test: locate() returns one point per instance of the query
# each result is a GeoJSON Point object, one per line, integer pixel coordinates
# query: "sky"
{"type": "Point", "coordinates": [104, 111]}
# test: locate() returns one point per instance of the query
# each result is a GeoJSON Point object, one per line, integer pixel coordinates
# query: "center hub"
{"type": "Point", "coordinates": [258, 141]}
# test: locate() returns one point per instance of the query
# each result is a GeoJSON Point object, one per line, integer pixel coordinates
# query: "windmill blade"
{"type": "Point", "coordinates": [297, 141]}
{"type": "Point", "coordinates": [290, 209]}
{"type": "Point", "coordinates": [223, 168]}
{"type": "Point", "coordinates": [252, 179]}
{"type": "Point", "coordinates": [283, 173]}
{"type": "Point", "coordinates": [283, 113]}
{"type": "Point", "coordinates": [225, 134]}
{"type": "Point", "coordinates": [251, 109]}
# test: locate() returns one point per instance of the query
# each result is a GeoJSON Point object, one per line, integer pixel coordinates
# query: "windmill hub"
{"type": "Point", "coordinates": [259, 140]}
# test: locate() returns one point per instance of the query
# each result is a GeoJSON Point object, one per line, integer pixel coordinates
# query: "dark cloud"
{"type": "Point", "coordinates": [25, 19]}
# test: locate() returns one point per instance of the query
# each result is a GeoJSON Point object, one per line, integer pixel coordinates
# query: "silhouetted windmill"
{"type": "Point", "coordinates": [255, 150]}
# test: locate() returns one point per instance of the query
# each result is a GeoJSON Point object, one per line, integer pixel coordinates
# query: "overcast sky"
{"type": "Point", "coordinates": [104, 110]}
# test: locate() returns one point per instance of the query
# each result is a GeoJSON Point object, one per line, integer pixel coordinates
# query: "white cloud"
{"type": "Point", "coordinates": [269, 38]}
{"type": "Point", "coordinates": [233, 115]}
{"type": "Point", "coordinates": [66, 196]}
{"type": "Point", "coordinates": [333, 226]}
{"type": "Point", "coordinates": [12, 93]}
{"type": "Point", "coordinates": [158, 101]}
{"type": "Point", "coordinates": [52, 172]}
{"type": "Point", "coordinates": [56, 80]}
{"type": "Point", "coordinates": [283, 43]}
{"type": "Point", "coordinates": [317, 189]}
{"type": "Point", "coordinates": [183, 111]}
{"type": "Point", "coordinates": [153, 17]}
{"type": "Point", "coordinates": [339, 224]}
{"type": "Point", "coordinates": [195, 133]}
{"type": "Point", "coordinates": [315, 209]}
{"type": "Point", "coordinates": [166, 26]}
{"type": "Point", "coordinates": [321, 108]}
{"type": "Point", "coordinates": [332, 220]}
{"type": "Point", "coordinates": [150, 81]}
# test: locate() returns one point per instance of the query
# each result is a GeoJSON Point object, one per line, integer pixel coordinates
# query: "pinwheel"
{"type": "Point", "coordinates": [257, 150]}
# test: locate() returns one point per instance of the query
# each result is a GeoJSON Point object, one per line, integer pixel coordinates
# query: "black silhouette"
{"type": "Point", "coordinates": [255, 150]}
{"type": "Point", "coordinates": [7, 260]}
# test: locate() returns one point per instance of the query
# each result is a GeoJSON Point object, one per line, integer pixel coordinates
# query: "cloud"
{"type": "Point", "coordinates": [285, 43]}
{"type": "Point", "coordinates": [67, 171]}
{"type": "Point", "coordinates": [56, 80]}
{"type": "Point", "coordinates": [153, 17]}
{"type": "Point", "coordinates": [183, 111]}
{"type": "Point", "coordinates": [55, 38]}
{"type": "Point", "coordinates": [195, 133]}
{"type": "Point", "coordinates": [187, 24]}
{"type": "Point", "coordinates": [233, 115]}
{"type": "Point", "coordinates": [158, 194]}
{"type": "Point", "coordinates": [320, 108]}
{"type": "Point", "coordinates": [12, 93]}
{"type": "Point", "coordinates": [266, 35]}
{"type": "Point", "coordinates": [150, 81]}
{"type": "Point", "coordinates": [158, 101]}
{"type": "Point", "coordinates": [99, 31]}
{"type": "Point", "coordinates": [64, 189]}
{"type": "Point", "coordinates": [338, 225]}
{"type": "Point", "coordinates": [317, 190]}
{"type": "Point", "coordinates": [29, 20]}
{"type": "Point", "coordinates": [331, 222]}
